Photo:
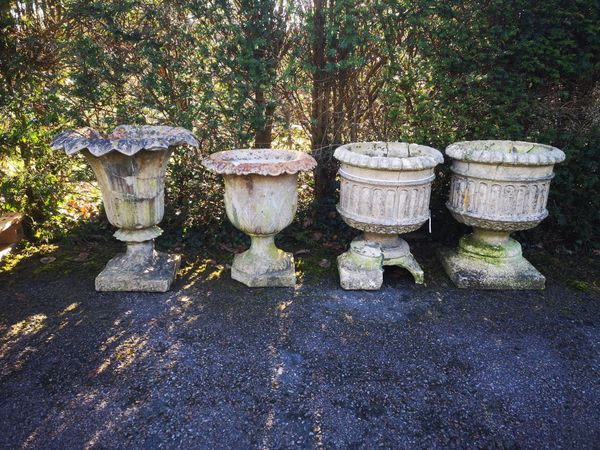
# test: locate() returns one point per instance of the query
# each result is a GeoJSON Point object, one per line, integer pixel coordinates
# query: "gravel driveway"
{"type": "Point", "coordinates": [214, 364]}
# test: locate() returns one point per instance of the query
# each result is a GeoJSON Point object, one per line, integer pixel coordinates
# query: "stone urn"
{"type": "Point", "coordinates": [385, 190]}
{"type": "Point", "coordinates": [497, 187]}
{"type": "Point", "coordinates": [261, 200]}
{"type": "Point", "coordinates": [130, 166]}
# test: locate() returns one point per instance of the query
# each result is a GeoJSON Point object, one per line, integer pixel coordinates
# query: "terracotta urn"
{"type": "Point", "coordinates": [261, 200]}
{"type": "Point", "coordinates": [130, 166]}
{"type": "Point", "coordinates": [497, 187]}
{"type": "Point", "coordinates": [384, 191]}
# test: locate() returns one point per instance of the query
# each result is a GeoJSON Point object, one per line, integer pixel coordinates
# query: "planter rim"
{"type": "Point", "coordinates": [125, 139]}
{"type": "Point", "coordinates": [259, 161]}
{"type": "Point", "coordinates": [518, 153]}
{"type": "Point", "coordinates": [389, 155]}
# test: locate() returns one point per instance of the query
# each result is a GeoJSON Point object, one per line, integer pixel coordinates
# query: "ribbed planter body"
{"type": "Point", "coordinates": [132, 189]}
{"type": "Point", "coordinates": [498, 187]}
{"type": "Point", "coordinates": [261, 199]}
{"type": "Point", "coordinates": [384, 201]}
{"type": "Point", "coordinates": [505, 197]}
{"type": "Point", "coordinates": [384, 191]}
{"type": "Point", "coordinates": [130, 166]}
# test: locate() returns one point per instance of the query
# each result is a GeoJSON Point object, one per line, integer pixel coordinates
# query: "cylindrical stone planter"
{"type": "Point", "coordinates": [385, 190]}
{"type": "Point", "coordinates": [261, 200]}
{"type": "Point", "coordinates": [130, 166]}
{"type": "Point", "coordinates": [497, 187]}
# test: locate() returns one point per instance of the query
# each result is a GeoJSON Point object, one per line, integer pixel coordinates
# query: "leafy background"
{"type": "Point", "coordinates": [308, 75]}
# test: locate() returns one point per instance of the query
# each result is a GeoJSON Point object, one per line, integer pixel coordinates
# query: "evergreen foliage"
{"type": "Point", "coordinates": [308, 74]}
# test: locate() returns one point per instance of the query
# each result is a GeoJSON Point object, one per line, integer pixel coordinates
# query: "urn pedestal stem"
{"type": "Point", "coordinates": [140, 253]}
{"type": "Point", "coordinates": [384, 240]}
{"type": "Point", "coordinates": [492, 238]}
{"type": "Point", "coordinates": [263, 248]}
{"type": "Point", "coordinates": [262, 245]}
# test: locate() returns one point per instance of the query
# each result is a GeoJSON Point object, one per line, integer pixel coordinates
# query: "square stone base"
{"type": "Point", "coordinates": [117, 277]}
{"type": "Point", "coordinates": [280, 278]}
{"type": "Point", "coordinates": [471, 273]}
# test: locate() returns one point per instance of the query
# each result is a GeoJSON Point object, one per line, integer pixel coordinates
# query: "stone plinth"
{"type": "Point", "coordinates": [140, 268]}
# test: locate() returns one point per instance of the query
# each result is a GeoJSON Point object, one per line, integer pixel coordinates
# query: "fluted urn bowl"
{"type": "Point", "coordinates": [261, 200]}
{"type": "Point", "coordinates": [385, 188]}
{"type": "Point", "coordinates": [499, 187]}
{"type": "Point", "coordinates": [130, 165]}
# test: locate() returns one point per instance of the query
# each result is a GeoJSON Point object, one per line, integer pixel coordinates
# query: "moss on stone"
{"type": "Point", "coordinates": [492, 254]}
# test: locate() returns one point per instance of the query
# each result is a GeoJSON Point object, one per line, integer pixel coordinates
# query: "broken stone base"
{"type": "Point", "coordinates": [120, 274]}
{"type": "Point", "coordinates": [264, 265]}
{"type": "Point", "coordinates": [474, 273]}
{"type": "Point", "coordinates": [361, 267]}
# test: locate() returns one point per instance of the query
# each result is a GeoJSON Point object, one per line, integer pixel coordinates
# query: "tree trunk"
{"type": "Point", "coordinates": [320, 111]}
{"type": "Point", "coordinates": [263, 136]}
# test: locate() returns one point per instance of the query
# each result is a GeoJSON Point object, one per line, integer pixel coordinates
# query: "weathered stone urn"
{"type": "Point", "coordinates": [130, 166]}
{"type": "Point", "coordinates": [261, 199]}
{"type": "Point", "coordinates": [497, 187]}
{"type": "Point", "coordinates": [385, 190]}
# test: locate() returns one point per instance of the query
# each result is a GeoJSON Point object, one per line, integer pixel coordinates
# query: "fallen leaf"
{"type": "Point", "coordinates": [83, 256]}
{"type": "Point", "coordinates": [227, 248]}
{"type": "Point", "coordinates": [325, 263]}
{"type": "Point", "coordinates": [332, 246]}
{"type": "Point", "coordinates": [47, 259]}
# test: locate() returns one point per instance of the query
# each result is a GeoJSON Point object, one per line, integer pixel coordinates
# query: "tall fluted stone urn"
{"type": "Point", "coordinates": [261, 199]}
{"type": "Point", "coordinates": [384, 191]}
{"type": "Point", "coordinates": [497, 187]}
{"type": "Point", "coordinates": [130, 166]}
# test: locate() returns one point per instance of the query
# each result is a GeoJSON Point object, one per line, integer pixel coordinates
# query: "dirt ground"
{"type": "Point", "coordinates": [213, 364]}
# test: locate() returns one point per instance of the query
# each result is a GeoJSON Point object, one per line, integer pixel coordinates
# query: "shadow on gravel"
{"type": "Point", "coordinates": [215, 364]}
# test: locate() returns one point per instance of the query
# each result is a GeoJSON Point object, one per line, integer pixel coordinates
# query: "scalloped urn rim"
{"type": "Point", "coordinates": [518, 153]}
{"type": "Point", "coordinates": [389, 155]}
{"type": "Point", "coordinates": [260, 161]}
{"type": "Point", "coordinates": [125, 139]}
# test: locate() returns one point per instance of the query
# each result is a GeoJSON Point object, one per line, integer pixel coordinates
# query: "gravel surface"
{"type": "Point", "coordinates": [214, 364]}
